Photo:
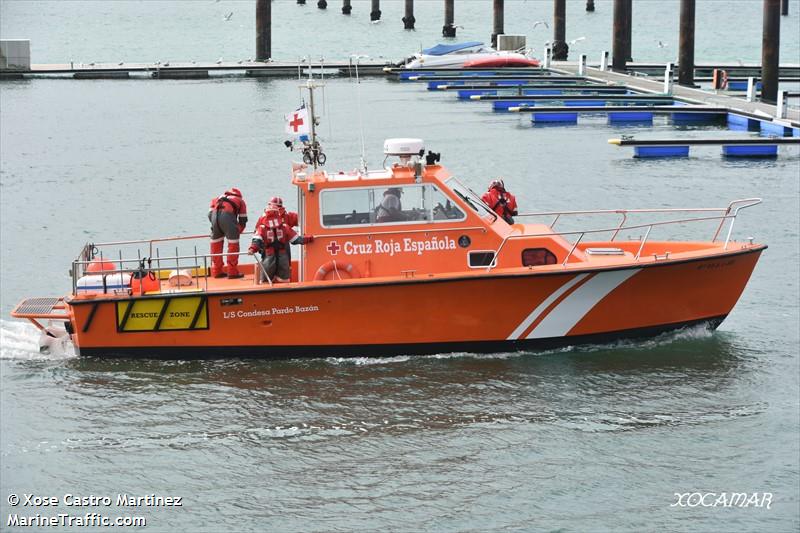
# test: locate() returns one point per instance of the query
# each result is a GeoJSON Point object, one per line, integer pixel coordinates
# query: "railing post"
{"type": "Point", "coordinates": [668, 79]}
{"type": "Point", "coordinates": [780, 111]}
{"type": "Point", "coordinates": [751, 89]}
{"type": "Point", "coordinates": [582, 65]}
{"type": "Point", "coordinates": [604, 60]}
{"type": "Point", "coordinates": [548, 56]}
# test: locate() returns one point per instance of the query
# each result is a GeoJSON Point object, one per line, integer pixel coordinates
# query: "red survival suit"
{"type": "Point", "coordinates": [501, 201]}
{"type": "Point", "coordinates": [228, 217]}
{"type": "Point", "coordinates": [272, 237]}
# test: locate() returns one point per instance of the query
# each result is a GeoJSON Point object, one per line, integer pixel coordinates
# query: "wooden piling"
{"type": "Point", "coordinates": [408, 18]}
{"type": "Point", "coordinates": [263, 30]}
{"type": "Point", "coordinates": [497, 26]}
{"type": "Point", "coordinates": [686, 45]}
{"type": "Point", "coordinates": [375, 14]}
{"type": "Point", "coordinates": [770, 48]}
{"type": "Point", "coordinates": [322, 4]}
{"type": "Point", "coordinates": [560, 46]}
{"type": "Point", "coordinates": [346, 7]}
{"type": "Point", "coordinates": [784, 7]}
{"type": "Point", "coordinates": [449, 29]}
{"type": "Point", "coordinates": [619, 49]}
{"type": "Point", "coordinates": [301, 2]}
{"type": "Point", "coordinates": [590, 5]}
{"type": "Point", "coordinates": [628, 29]}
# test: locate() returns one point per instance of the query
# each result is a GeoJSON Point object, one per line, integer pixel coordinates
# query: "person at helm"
{"type": "Point", "coordinates": [228, 216]}
{"type": "Point", "coordinates": [390, 208]}
{"type": "Point", "coordinates": [272, 237]}
{"type": "Point", "coordinates": [501, 201]}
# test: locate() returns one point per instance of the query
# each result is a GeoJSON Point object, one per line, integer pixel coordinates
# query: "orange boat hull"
{"type": "Point", "coordinates": [519, 310]}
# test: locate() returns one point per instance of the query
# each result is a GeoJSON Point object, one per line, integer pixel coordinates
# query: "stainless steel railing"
{"type": "Point", "coordinates": [728, 213]}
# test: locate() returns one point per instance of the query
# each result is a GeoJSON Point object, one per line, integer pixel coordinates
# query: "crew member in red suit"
{"type": "Point", "coordinates": [228, 217]}
{"type": "Point", "coordinates": [272, 238]}
{"type": "Point", "coordinates": [501, 201]}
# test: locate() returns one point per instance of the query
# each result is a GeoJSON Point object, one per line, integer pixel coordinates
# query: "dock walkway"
{"type": "Point", "coordinates": [698, 96]}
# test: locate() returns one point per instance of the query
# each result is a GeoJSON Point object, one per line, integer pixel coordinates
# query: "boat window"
{"type": "Point", "coordinates": [443, 207]}
{"type": "Point", "coordinates": [470, 198]}
{"type": "Point", "coordinates": [537, 257]}
{"type": "Point", "coordinates": [347, 207]}
{"type": "Point", "coordinates": [480, 259]}
{"type": "Point", "coordinates": [387, 205]}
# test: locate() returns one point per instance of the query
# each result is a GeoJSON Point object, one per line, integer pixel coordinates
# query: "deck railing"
{"type": "Point", "coordinates": [727, 213]}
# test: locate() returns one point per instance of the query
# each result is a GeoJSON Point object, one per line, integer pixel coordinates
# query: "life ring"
{"type": "Point", "coordinates": [333, 266]}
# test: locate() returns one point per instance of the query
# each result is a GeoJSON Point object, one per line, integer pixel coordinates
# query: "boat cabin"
{"type": "Point", "coordinates": [409, 219]}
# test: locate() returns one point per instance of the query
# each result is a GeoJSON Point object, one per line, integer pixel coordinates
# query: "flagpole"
{"type": "Point", "coordinates": [310, 85]}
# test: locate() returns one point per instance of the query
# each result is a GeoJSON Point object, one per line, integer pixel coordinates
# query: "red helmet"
{"type": "Point", "coordinates": [276, 202]}
{"type": "Point", "coordinates": [233, 191]}
{"type": "Point", "coordinates": [497, 184]}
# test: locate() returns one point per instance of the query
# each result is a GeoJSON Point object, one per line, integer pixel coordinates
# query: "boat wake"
{"type": "Point", "coordinates": [20, 340]}
{"type": "Point", "coordinates": [689, 334]}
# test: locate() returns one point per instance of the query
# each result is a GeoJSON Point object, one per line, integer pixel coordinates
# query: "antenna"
{"type": "Point", "coordinates": [363, 162]}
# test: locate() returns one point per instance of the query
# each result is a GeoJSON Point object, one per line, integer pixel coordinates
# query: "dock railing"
{"type": "Point", "coordinates": [728, 213]}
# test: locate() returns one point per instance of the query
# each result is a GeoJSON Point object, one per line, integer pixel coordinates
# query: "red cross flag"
{"type": "Point", "coordinates": [297, 122]}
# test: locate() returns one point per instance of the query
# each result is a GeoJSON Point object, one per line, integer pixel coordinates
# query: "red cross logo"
{"type": "Point", "coordinates": [296, 122]}
{"type": "Point", "coordinates": [333, 248]}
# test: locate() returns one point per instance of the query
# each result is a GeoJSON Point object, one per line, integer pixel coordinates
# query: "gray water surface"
{"type": "Point", "coordinates": [597, 438]}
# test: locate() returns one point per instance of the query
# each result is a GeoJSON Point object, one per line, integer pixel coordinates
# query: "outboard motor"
{"type": "Point", "coordinates": [53, 340]}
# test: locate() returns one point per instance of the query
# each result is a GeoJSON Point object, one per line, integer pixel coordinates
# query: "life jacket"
{"type": "Point", "coordinates": [272, 234]}
{"type": "Point", "coordinates": [501, 202]}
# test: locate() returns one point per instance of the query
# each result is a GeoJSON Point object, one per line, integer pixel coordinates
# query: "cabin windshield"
{"type": "Point", "coordinates": [409, 204]}
{"type": "Point", "coordinates": [470, 198]}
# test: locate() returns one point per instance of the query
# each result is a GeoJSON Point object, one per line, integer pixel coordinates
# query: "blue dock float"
{"type": "Point", "coordinates": [503, 105]}
{"type": "Point", "coordinates": [642, 116]}
{"type": "Point", "coordinates": [694, 118]}
{"type": "Point", "coordinates": [769, 128]}
{"type": "Point", "coordinates": [742, 123]}
{"type": "Point", "coordinates": [731, 147]}
{"type": "Point", "coordinates": [549, 118]}
{"type": "Point", "coordinates": [660, 151]}
{"type": "Point", "coordinates": [733, 150]}
{"type": "Point", "coordinates": [741, 85]}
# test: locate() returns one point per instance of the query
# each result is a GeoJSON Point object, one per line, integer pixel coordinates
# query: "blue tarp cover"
{"type": "Point", "coordinates": [442, 49]}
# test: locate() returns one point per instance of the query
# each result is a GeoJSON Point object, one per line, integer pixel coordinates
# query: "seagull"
{"type": "Point", "coordinates": [540, 23]}
{"type": "Point", "coordinates": [219, 61]}
{"type": "Point", "coordinates": [121, 63]}
{"type": "Point", "coordinates": [239, 62]}
{"type": "Point", "coordinates": [249, 59]}
{"type": "Point", "coordinates": [91, 64]}
{"type": "Point", "coordinates": [228, 16]}
{"type": "Point", "coordinates": [662, 44]}
{"type": "Point", "coordinates": [573, 41]}
{"type": "Point", "coordinates": [166, 64]}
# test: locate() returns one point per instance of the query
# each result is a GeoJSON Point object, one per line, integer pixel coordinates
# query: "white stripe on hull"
{"type": "Point", "coordinates": [575, 306]}
{"type": "Point", "coordinates": [531, 318]}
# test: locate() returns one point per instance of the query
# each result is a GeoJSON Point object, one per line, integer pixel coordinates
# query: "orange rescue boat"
{"type": "Point", "coordinates": [445, 275]}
